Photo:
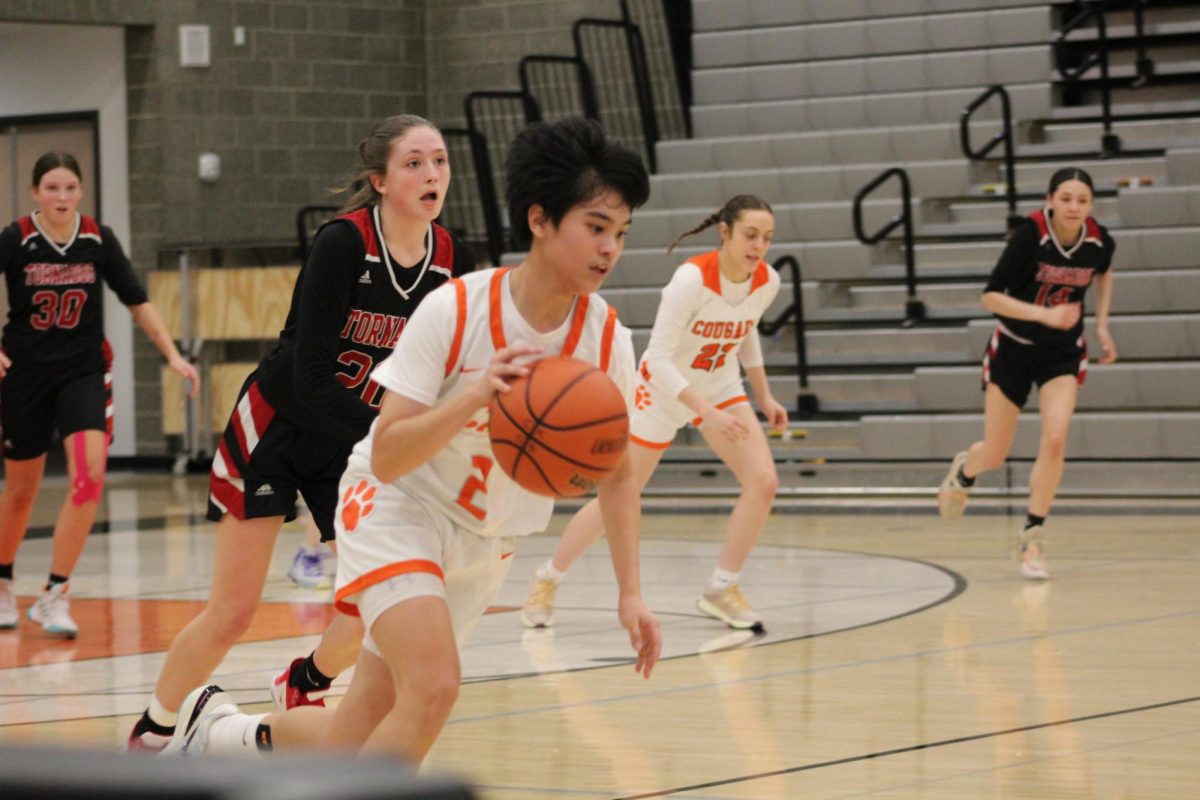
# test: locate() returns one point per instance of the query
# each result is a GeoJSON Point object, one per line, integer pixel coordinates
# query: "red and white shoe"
{"type": "Point", "coordinates": [284, 695]}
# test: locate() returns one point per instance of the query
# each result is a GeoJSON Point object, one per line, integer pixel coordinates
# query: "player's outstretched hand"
{"type": "Point", "coordinates": [506, 365]}
{"type": "Point", "coordinates": [1062, 317]}
{"type": "Point", "coordinates": [644, 634]}
{"type": "Point", "coordinates": [189, 373]}
{"type": "Point", "coordinates": [5, 363]}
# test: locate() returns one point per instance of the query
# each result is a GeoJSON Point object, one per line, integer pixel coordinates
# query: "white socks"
{"type": "Point", "coordinates": [160, 716]}
{"type": "Point", "coordinates": [548, 572]}
{"type": "Point", "coordinates": [722, 579]}
{"type": "Point", "coordinates": [234, 735]}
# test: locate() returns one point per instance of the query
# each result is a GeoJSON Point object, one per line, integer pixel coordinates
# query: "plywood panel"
{"type": "Point", "coordinates": [225, 380]}
{"type": "Point", "coordinates": [234, 303]}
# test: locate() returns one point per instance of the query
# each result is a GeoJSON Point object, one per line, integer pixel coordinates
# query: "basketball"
{"type": "Point", "coordinates": [560, 429]}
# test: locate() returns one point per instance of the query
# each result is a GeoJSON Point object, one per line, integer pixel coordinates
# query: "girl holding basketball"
{"type": "Point", "coordinates": [426, 522]}
{"type": "Point", "coordinates": [56, 373]}
{"type": "Point", "coordinates": [1036, 292]}
{"type": "Point", "coordinates": [705, 326]}
{"type": "Point", "coordinates": [302, 410]}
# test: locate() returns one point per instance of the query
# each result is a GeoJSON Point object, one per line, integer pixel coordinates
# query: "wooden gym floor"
{"type": "Point", "coordinates": [903, 658]}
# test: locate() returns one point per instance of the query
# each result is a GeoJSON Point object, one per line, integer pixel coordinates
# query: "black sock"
{"type": "Point", "coordinates": [307, 678]}
{"type": "Point", "coordinates": [147, 725]}
{"type": "Point", "coordinates": [262, 737]}
{"type": "Point", "coordinates": [55, 580]}
{"type": "Point", "coordinates": [6, 571]}
{"type": "Point", "coordinates": [966, 482]}
{"type": "Point", "coordinates": [1032, 520]}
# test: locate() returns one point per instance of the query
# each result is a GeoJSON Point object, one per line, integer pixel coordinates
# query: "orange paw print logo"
{"type": "Point", "coordinates": [641, 398]}
{"type": "Point", "coordinates": [357, 505]}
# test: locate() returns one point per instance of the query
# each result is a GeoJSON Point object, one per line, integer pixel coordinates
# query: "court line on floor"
{"type": "Point", "coordinates": [912, 748]}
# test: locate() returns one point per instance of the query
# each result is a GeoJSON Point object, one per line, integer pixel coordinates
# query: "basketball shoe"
{"type": "Point", "coordinates": [53, 612]}
{"type": "Point", "coordinates": [730, 606]}
{"type": "Point", "coordinates": [200, 709]}
{"type": "Point", "coordinates": [147, 737]}
{"type": "Point", "coordinates": [8, 605]}
{"type": "Point", "coordinates": [952, 495]}
{"type": "Point", "coordinates": [284, 695]}
{"type": "Point", "coordinates": [308, 571]}
{"type": "Point", "coordinates": [538, 609]}
{"type": "Point", "coordinates": [1033, 562]}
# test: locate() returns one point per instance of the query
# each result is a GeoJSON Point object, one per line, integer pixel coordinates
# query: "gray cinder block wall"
{"type": "Point", "coordinates": [285, 109]}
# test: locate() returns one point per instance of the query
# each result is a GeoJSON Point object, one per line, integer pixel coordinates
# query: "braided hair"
{"type": "Point", "coordinates": [729, 213]}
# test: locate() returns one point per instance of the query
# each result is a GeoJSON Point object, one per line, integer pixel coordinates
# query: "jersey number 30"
{"type": "Point", "coordinates": [55, 310]}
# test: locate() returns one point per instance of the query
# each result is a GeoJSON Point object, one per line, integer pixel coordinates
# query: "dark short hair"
{"type": "Point", "coordinates": [1070, 174]}
{"type": "Point", "coordinates": [558, 165]}
{"type": "Point", "coordinates": [53, 160]}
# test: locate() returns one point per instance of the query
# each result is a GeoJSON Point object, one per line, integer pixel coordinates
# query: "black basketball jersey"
{"type": "Point", "coordinates": [1035, 268]}
{"type": "Point", "coordinates": [349, 307]}
{"type": "Point", "coordinates": [55, 291]}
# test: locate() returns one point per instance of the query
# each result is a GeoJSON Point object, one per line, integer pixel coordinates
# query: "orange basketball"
{"type": "Point", "coordinates": [560, 429]}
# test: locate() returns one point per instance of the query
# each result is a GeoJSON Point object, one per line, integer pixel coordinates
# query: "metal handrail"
{"type": "Point", "coordinates": [485, 178]}
{"type": "Point", "coordinates": [914, 309]}
{"type": "Point", "coordinates": [806, 401]}
{"type": "Point", "coordinates": [303, 240]}
{"type": "Point", "coordinates": [641, 76]}
{"type": "Point", "coordinates": [1110, 143]}
{"type": "Point", "coordinates": [587, 87]}
{"type": "Point", "coordinates": [1005, 137]}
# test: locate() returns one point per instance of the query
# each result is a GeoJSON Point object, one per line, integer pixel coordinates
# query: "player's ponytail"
{"type": "Point", "coordinates": [373, 154]}
{"type": "Point", "coordinates": [729, 213]}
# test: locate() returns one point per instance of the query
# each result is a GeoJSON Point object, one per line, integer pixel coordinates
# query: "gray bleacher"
{"type": "Point", "coordinates": [804, 101]}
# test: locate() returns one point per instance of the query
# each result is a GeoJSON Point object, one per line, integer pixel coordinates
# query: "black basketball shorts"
{"type": "Point", "coordinates": [265, 460]}
{"type": "Point", "coordinates": [37, 398]}
{"type": "Point", "coordinates": [1016, 367]}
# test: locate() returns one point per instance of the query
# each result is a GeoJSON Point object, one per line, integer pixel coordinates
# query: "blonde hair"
{"type": "Point", "coordinates": [729, 213]}
{"type": "Point", "coordinates": [373, 154]}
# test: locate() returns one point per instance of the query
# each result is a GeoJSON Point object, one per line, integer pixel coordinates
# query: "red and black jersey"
{"type": "Point", "coordinates": [1037, 269]}
{"type": "Point", "coordinates": [55, 291]}
{"type": "Point", "coordinates": [350, 305]}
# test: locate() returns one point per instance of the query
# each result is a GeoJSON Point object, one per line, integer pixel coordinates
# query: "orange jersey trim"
{"type": "Point", "coordinates": [724, 404]}
{"type": "Point", "coordinates": [379, 576]}
{"type": "Point", "coordinates": [495, 315]}
{"type": "Point", "coordinates": [710, 269]}
{"type": "Point", "coordinates": [577, 320]}
{"type": "Point", "coordinates": [606, 338]}
{"type": "Point", "coordinates": [761, 276]}
{"type": "Point", "coordinates": [648, 444]}
{"type": "Point", "coordinates": [460, 323]}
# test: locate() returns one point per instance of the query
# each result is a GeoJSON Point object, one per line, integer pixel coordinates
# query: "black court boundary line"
{"type": "Point", "coordinates": [960, 586]}
{"type": "Point", "coordinates": [100, 527]}
{"type": "Point", "coordinates": [911, 748]}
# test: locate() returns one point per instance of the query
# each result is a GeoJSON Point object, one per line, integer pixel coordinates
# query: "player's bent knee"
{"type": "Point", "coordinates": [87, 487]}
{"type": "Point", "coordinates": [1054, 445]}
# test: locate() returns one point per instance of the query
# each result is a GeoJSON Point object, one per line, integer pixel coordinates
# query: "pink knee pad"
{"type": "Point", "coordinates": [86, 489]}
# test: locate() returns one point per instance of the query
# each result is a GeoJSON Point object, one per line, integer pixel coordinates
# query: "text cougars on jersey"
{"type": "Point", "coordinates": [722, 330]}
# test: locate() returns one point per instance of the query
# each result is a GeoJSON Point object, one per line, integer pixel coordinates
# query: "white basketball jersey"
{"type": "Point", "coordinates": [699, 334]}
{"type": "Point", "coordinates": [448, 343]}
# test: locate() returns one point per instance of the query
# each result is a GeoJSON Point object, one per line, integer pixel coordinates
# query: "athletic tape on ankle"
{"type": "Point", "coordinates": [86, 489]}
